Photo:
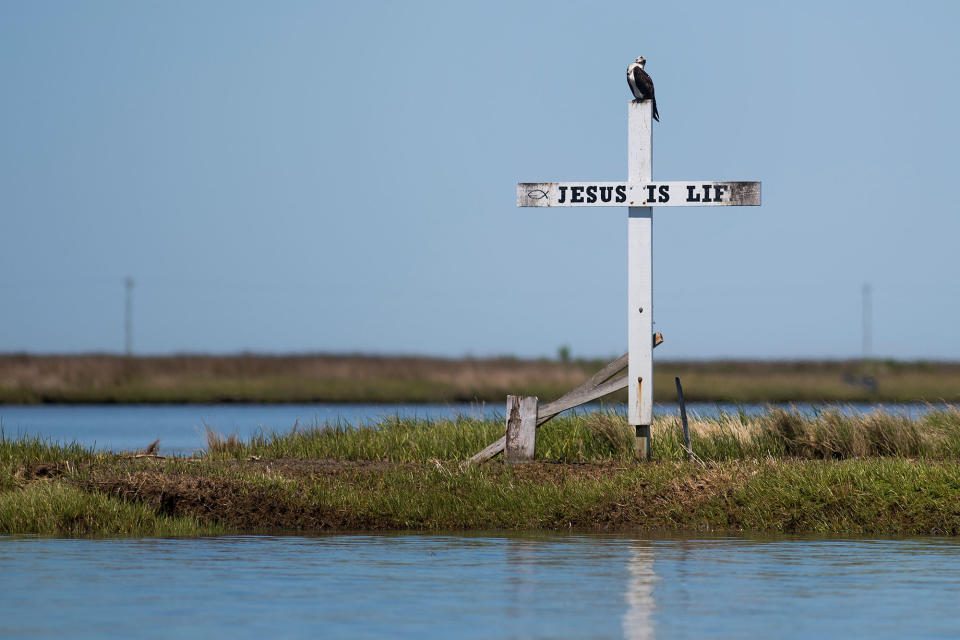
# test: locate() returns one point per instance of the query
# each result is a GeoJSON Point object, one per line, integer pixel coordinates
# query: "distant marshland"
{"type": "Point", "coordinates": [31, 379]}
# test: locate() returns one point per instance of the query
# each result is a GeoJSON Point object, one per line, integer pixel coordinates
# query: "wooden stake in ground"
{"type": "Point", "coordinates": [596, 386]}
{"type": "Point", "coordinates": [521, 437]}
{"type": "Point", "coordinates": [639, 194]}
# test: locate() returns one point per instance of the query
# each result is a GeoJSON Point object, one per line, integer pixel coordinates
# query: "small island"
{"type": "Point", "coordinates": [779, 472]}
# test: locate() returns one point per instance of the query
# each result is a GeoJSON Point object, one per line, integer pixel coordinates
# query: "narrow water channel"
{"type": "Point", "coordinates": [481, 586]}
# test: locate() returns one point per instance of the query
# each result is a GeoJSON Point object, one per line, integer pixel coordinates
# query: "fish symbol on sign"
{"type": "Point", "coordinates": [537, 194]}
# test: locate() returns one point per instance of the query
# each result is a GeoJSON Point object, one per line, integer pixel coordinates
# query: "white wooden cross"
{"type": "Point", "coordinates": [639, 194]}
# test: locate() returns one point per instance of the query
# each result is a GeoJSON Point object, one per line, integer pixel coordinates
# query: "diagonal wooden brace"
{"type": "Point", "coordinates": [598, 385]}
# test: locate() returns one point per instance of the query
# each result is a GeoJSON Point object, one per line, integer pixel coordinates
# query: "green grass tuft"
{"type": "Point", "coordinates": [56, 509]}
{"type": "Point", "coordinates": [606, 436]}
{"type": "Point", "coordinates": [26, 448]}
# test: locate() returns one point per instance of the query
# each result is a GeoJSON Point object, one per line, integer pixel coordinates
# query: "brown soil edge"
{"type": "Point", "coordinates": [247, 507]}
{"type": "Point", "coordinates": [650, 498]}
{"type": "Point", "coordinates": [229, 502]}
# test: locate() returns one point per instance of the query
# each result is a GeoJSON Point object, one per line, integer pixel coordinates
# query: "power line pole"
{"type": "Point", "coordinates": [128, 316]}
{"type": "Point", "coordinates": [867, 309]}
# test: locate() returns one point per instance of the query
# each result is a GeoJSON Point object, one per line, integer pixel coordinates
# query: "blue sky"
{"type": "Point", "coordinates": [340, 176]}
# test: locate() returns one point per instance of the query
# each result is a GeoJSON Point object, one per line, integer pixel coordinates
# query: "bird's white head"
{"type": "Point", "coordinates": [641, 61]}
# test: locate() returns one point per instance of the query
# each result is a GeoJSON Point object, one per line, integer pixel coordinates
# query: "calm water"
{"type": "Point", "coordinates": [417, 586]}
{"type": "Point", "coordinates": [181, 427]}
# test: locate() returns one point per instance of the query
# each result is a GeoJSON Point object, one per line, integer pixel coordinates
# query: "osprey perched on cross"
{"type": "Point", "coordinates": [641, 84]}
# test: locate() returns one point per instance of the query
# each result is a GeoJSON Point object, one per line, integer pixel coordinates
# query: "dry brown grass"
{"type": "Point", "coordinates": [833, 434]}
{"type": "Point", "coordinates": [217, 443]}
{"type": "Point", "coordinates": [247, 378]}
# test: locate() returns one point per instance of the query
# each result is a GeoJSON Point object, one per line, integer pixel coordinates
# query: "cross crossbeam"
{"type": "Point", "coordinates": [625, 194]}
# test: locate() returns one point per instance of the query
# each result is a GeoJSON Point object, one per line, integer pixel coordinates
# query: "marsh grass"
{"type": "Point", "coordinates": [605, 436]}
{"type": "Point", "coordinates": [876, 495]}
{"type": "Point", "coordinates": [830, 434]}
{"type": "Point", "coordinates": [28, 448]}
{"type": "Point", "coordinates": [218, 444]}
{"type": "Point", "coordinates": [394, 439]}
{"type": "Point", "coordinates": [596, 436]}
{"type": "Point", "coordinates": [836, 434]}
{"type": "Point", "coordinates": [893, 496]}
{"type": "Point", "coordinates": [54, 508]}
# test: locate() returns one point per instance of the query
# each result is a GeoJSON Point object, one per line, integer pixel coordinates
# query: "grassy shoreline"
{"type": "Point", "coordinates": [29, 379]}
{"type": "Point", "coordinates": [874, 474]}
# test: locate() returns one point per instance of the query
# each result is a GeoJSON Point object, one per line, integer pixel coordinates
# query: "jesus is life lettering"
{"type": "Point", "coordinates": [658, 193]}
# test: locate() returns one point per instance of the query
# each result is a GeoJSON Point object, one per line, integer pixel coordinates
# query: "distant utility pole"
{"type": "Point", "coordinates": [128, 316]}
{"type": "Point", "coordinates": [867, 321]}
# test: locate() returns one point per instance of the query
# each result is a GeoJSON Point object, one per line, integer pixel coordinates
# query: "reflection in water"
{"type": "Point", "coordinates": [521, 587]}
{"type": "Point", "coordinates": [638, 619]}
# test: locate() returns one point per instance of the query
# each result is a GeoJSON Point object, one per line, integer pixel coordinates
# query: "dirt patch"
{"type": "Point", "coordinates": [273, 496]}
{"type": "Point", "coordinates": [47, 470]}
{"type": "Point", "coordinates": [315, 467]}
{"type": "Point", "coordinates": [277, 503]}
{"type": "Point", "coordinates": [240, 505]}
{"type": "Point", "coordinates": [558, 472]}
{"type": "Point", "coordinates": [534, 472]}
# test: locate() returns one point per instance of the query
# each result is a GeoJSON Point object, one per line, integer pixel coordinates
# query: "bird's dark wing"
{"type": "Point", "coordinates": [644, 82]}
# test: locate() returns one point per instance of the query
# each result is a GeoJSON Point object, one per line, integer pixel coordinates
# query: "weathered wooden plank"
{"type": "Point", "coordinates": [486, 453]}
{"type": "Point", "coordinates": [521, 433]}
{"type": "Point", "coordinates": [575, 399]}
{"type": "Point", "coordinates": [547, 411]}
{"type": "Point", "coordinates": [638, 193]}
{"type": "Point", "coordinates": [604, 374]}
{"type": "Point", "coordinates": [596, 386]}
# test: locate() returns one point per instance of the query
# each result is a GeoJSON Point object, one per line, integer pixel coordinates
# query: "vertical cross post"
{"type": "Point", "coordinates": [640, 280]}
{"type": "Point", "coordinates": [639, 194]}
